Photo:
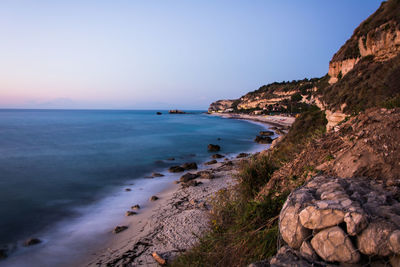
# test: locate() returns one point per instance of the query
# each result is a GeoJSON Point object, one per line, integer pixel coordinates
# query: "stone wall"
{"type": "Point", "coordinates": [346, 221]}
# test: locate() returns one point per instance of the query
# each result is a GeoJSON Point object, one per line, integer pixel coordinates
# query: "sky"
{"type": "Point", "coordinates": [128, 54]}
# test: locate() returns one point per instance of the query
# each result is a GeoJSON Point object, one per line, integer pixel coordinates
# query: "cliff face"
{"type": "Point", "coordinates": [293, 96]}
{"type": "Point", "coordinates": [379, 36]}
{"type": "Point", "coordinates": [221, 106]}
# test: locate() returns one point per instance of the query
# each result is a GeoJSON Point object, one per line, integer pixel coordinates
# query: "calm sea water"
{"type": "Point", "coordinates": [54, 163]}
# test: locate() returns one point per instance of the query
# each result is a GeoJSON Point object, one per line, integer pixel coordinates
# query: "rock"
{"type": "Point", "coordinates": [213, 148]}
{"type": "Point", "coordinates": [242, 155]}
{"type": "Point", "coordinates": [205, 175]}
{"type": "Point", "coordinates": [170, 158]}
{"type": "Point", "coordinates": [333, 245]}
{"type": "Point", "coordinates": [267, 133]}
{"type": "Point", "coordinates": [263, 139]}
{"type": "Point", "coordinates": [394, 242]}
{"type": "Point", "coordinates": [355, 222]}
{"type": "Point", "coordinates": [176, 111]}
{"type": "Point", "coordinates": [314, 218]}
{"type": "Point", "coordinates": [307, 251]}
{"type": "Point", "coordinates": [32, 241]}
{"type": "Point", "coordinates": [211, 162]}
{"type": "Point", "coordinates": [292, 231]}
{"type": "Point", "coordinates": [158, 113]}
{"type": "Point", "coordinates": [176, 169]}
{"type": "Point", "coordinates": [154, 198]}
{"type": "Point", "coordinates": [128, 189]}
{"type": "Point", "coordinates": [135, 207]}
{"type": "Point", "coordinates": [287, 257]}
{"type": "Point", "coordinates": [157, 174]}
{"type": "Point", "coordinates": [191, 183]}
{"type": "Point", "coordinates": [190, 166]}
{"type": "Point", "coordinates": [130, 213]}
{"type": "Point", "coordinates": [119, 229]}
{"type": "Point", "coordinates": [188, 176]}
{"type": "Point", "coordinates": [217, 156]}
{"type": "Point", "coordinates": [374, 240]}
{"type": "Point", "coordinates": [3, 253]}
{"type": "Point", "coordinates": [159, 259]}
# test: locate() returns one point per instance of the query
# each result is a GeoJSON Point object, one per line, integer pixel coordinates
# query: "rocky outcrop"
{"type": "Point", "coordinates": [338, 69]}
{"type": "Point", "coordinates": [342, 219]}
{"type": "Point", "coordinates": [221, 106]}
{"type": "Point", "coordinates": [176, 111]}
{"type": "Point", "coordinates": [378, 36]}
{"type": "Point", "coordinates": [213, 148]}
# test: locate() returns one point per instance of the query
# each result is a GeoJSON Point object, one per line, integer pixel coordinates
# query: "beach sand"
{"type": "Point", "coordinates": [169, 226]}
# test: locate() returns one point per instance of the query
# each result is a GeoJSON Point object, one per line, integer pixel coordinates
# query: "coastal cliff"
{"type": "Point", "coordinates": [362, 74]}
{"type": "Point", "coordinates": [328, 192]}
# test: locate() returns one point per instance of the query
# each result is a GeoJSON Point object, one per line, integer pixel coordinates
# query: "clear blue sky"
{"type": "Point", "coordinates": [163, 54]}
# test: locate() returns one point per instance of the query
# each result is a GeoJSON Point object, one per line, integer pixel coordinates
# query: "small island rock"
{"type": "Point", "coordinates": [213, 148]}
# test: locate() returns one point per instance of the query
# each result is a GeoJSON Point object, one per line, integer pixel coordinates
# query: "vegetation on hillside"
{"type": "Point", "coordinates": [370, 84]}
{"type": "Point", "coordinates": [243, 229]}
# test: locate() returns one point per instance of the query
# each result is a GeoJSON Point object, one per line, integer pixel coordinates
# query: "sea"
{"type": "Point", "coordinates": [64, 174]}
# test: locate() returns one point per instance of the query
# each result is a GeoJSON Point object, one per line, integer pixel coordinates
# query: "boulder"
{"type": "Point", "coordinates": [217, 156]}
{"type": "Point", "coordinates": [267, 133]}
{"type": "Point", "coordinates": [176, 169]}
{"type": "Point", "coordinates": [157, 174]}
{"type": "Point", "coordinates": [287, 257]}
{"type": "Point", "coordinates": [135, 207]}
{"type": "Point", "coordinates": [119, 229]}
{"type": "Point", "coordinates": [314, 218]}
{"type": "Point", "coordinates": [32, 241]}
{"type": "Point", "coordinates": [307, 251]}
{"type": "Point", "coordinates": [333, 245]}
{"type": "Point", "coordinates": [188, 176]}
{"type": "Point", "coordinates": [263, 139]}
{"type": "Point", "coordinates": [190, 166]}
{"type": "Point", "coordinates": [153, 198]}
{"type": "Point", "coordinates": [205, 175]}
{"type": "Point", "coordinates": [355, 222]}
{"type": "Point", "coordinates": [292, 231]}
{"type": "Point", "coordinates": [211, 162]}
{"type": "Point", "coordinates": [242, 155]}
{"type": "Point", "coordinates": [3, 253]}
{"type": "Point", "coordinates": [213, 148]}
{"type": "Point", "coordinates": [191, 183]}
{"type": "Point", "coordinates": [374, 240]}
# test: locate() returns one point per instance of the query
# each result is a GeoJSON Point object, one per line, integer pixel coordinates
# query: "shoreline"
{"type": "Point", "coordinates": [172, 224]}
{"type": "Point", "coordinates": [274, 120]}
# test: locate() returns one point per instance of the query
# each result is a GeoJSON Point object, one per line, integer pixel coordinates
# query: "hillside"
{"type": "Point", "coordinates": [364, 73]}
{"type": "Point", "coordinates": [328, 192]}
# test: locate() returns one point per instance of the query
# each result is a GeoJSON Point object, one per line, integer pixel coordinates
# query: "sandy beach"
{"type": "Point", "coordinates": [276, 120]}
{"type": "Point", "coordinates": [173, 223]}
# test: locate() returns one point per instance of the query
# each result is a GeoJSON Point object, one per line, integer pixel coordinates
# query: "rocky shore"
{"type": "Point", "coordinates": [175, 218]}
{"type": "Point", "coordinates": [171, 225]}
{"type": "Point", "coordinates": [276, 120]}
